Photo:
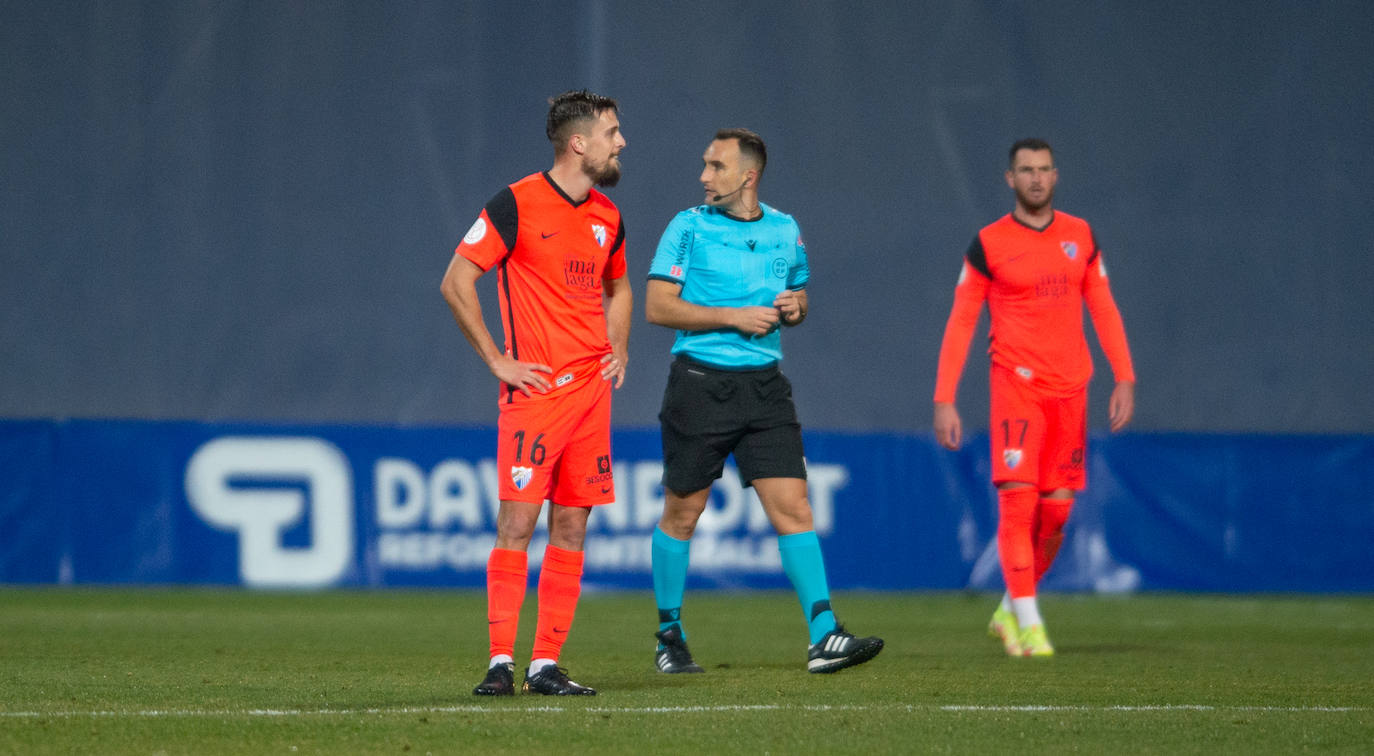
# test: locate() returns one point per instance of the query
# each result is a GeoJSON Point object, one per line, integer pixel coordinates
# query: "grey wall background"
{"type": "Point", "coordinates": [242, 210]}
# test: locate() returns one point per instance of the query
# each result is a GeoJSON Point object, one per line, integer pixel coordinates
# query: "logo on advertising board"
{"type": "Point", "coordinates": [262, 487]}
{"type": "Point", "coordinates": [436, 524]}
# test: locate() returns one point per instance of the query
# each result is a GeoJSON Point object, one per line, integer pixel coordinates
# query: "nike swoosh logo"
{"type": "Point", "coordinates": [560, 630]}
{"type": "Point", "coordinates": [605, 489]}
{"type": "Point", "coordinates": [548, 236]}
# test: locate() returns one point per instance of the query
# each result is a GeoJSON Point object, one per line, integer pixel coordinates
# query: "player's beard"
{"type": "Point", "coordinates": [608, 175]}
{"type": "Point", "coordinates": [1035, 206]}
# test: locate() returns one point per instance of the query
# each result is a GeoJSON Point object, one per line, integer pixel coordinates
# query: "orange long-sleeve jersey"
{"type": "Point", "coordinates": [1035, 282]}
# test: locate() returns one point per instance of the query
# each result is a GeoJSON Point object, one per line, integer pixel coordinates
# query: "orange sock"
{"type": "Point", "coordinates": [1049, 533]}
{"type": "Point", "coordinates": [507, 572]}
{"type": "Point", "coordinates": [560, 583]}
{"type": "Point", "coordinates": [1015, 519]}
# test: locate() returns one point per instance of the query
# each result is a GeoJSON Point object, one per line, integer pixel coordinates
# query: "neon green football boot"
{"type": "Point", "coordinates": [1003, 627]}
{"type": "Point", "coordinates": [1034, 642]}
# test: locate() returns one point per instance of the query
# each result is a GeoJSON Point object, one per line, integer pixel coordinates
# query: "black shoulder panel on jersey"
{"type": "Point", "coordinates": [977, 257]}
{"type": "Point", "coordinates": [619, 238]}
{"type": "Point", "coordinates": [502, 211]}
{"type": "Point", "coordinates": [1092, 258]}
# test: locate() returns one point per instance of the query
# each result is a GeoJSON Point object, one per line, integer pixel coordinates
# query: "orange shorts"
{"type": "Point", "coordinates": [557, 447]}
{"type": "Point", "coordinates": [1037, 438]}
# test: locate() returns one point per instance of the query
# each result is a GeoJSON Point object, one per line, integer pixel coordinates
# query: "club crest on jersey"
{"type": "Point", "coordinates": [521, 476]}
{"type": "Point", "coordinates": [1011, 458]}
{"type": "Point", "coordinates": [599, 231]}
{"type": "Point", "coordinates": [1070, 249]}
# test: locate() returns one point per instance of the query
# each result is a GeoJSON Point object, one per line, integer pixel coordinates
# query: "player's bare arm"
{"type": "Point", "coordinates": [663, 305]}
{"type": "Point", "coordinates": [619, 301]}
{"type": "Point", "coordinates": [791, 306]}
{"type": "Point", "coordinates": [949, 429]}
{"type": "Point", "coordinates": [1121, 406]}
{"type": "Point", "coordinates": [460, 291]}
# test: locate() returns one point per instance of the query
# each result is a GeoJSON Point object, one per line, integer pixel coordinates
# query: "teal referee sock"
{"type": "Point", "coordinates": [805, 567]}
{"type": "Point", "coordinates": [670, 557]}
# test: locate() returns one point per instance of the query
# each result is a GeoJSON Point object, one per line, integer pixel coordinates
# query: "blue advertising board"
{"type": "Point", "coordinates": [286, 506]}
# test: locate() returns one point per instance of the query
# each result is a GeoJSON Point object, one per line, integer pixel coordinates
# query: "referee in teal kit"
{"type": "Point", "coordinates": [726, 275]}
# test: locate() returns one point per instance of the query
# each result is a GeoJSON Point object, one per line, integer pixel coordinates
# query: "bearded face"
{"type": "Point", "coordinates": [1033, 176]}
{"type": "Point", "coordinates": [601, 151]}
{"type": "Point", "coordinates": [606, 173]}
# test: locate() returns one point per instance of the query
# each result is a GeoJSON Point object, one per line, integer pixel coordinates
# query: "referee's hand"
{"type": "Point", "coordinates": [755, 321]}
{"type": "Point", "coordinates": [791, 306]}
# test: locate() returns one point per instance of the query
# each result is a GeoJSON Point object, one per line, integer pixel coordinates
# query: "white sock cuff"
{"type": "Point", "coordinates": [538, 665]}
{"type": "Point", "coordinates": [1027, 611]}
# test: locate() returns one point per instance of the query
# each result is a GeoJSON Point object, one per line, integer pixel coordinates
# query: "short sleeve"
{"type": "Point", "coordinates": [672, 258]}
{"type": "Point", "coordinates": [492, 235]}
{"type": "Point", "coordinates": [799, 274]}
{"type": "Point", "coordinates": [615, 262]}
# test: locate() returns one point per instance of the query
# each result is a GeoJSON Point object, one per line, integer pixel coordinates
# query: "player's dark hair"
{"type": "Point", "coordinates": [1028, 144]}
{"type": "Point", "coordinates": [572, 109]}
{"type": "Point", "coordinates": [750, 144]}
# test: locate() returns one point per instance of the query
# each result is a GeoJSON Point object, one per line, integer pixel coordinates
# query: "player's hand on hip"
{"type": "Point", "coordinates": [949, 430]}
{"type": "Point", "coordinates": [613, 366]}
{"type": "Point", "coordinates": [1121, 407]}
{"type": "Point", "coordinates": [756, 321]}
{"type": "Point", "coordinates": [521, 375]}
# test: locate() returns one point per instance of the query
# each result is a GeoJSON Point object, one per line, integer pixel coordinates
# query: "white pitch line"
{"type": "Point", "coordinates": [517, 709]}
{"type": "Point", "coordinates": [1161, 707]}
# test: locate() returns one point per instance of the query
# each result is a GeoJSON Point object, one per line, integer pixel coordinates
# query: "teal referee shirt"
{"type": "Point", "coordinates": [722, 261]}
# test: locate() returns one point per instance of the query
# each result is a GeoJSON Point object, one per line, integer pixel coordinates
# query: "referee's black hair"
{"type": "Point", "coordinates": [570, 110]}
{"type": "Point", "coordinates": [1030, 143]}
{"type": "Point", "coordinates": [750, 144]}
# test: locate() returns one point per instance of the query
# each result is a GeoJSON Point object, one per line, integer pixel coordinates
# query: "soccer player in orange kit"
{"type": "Point", "coordinates": [559, 247]}
{"type": "Point", "coordinates": [1035, 267]}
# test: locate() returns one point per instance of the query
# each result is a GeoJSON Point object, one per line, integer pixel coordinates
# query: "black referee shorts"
{"type": "Point", "coordinates": [709, 413]}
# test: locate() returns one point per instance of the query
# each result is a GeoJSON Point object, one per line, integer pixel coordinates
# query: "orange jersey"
{"type": "Point", "coordinates": [1035, 282]}
{"type": "Point", "coordinates": [551, 255]}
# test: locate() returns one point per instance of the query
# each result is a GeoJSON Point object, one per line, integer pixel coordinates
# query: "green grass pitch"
{"type": "Point", "coordinates": [203, 671]}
